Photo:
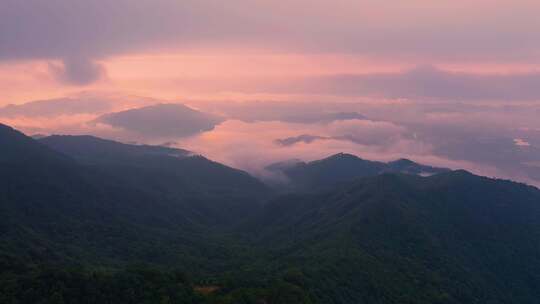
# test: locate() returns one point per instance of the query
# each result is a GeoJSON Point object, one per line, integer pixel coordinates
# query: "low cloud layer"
{"type": "Point", "coordinates": [252, 146]}
{"type": "Point", "coordinates": [495, 139]}
{"type": "Point", "coordinates": [290, 111]}
{"type": "Point", "coordinates": [57, 107]}
{"type": "Point", "coordinates": [491, 139]}
{"type": "Point", "coordinates": [424, 83]}
{"type": "Point", "coordinates": [304, 138]}
{"type": "Point", "coordinates": [431, 83]}
{"type": "Point", "coordinates": [85, 103]}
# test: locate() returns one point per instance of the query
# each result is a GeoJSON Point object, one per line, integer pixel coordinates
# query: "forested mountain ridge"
{"type": "Point", "coordinates": [60, 209]}
{"type": "Point", "coordinates": [341, 168]}
{"type": "Point", "coordinates": [16, 149]}
{"type": "Point", "coordinates": [84, 228]}
{"type": "Point", "coordinates": [181, 166]}
{"type": "Point", "coordinates": [93, 149]}
{"type": "Point", "coordinates": [449, 238]}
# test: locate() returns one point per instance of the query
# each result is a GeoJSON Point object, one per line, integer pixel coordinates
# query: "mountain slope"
{"type": "Point", "coordinates": [174, 171]}
{"type": "Point", "coordinates": [17, 148]}
{"type": "Point", "coordinates": [96, 150]}
{"type": "Point", "coordinates": [388, 238]}
{"type": "Point", "coordinates": [449, 238]}
{"type": "Point", "coordinates": [62, 209]}
{"type": "Point", "coordinates": [340, 168]}
{"type": "Point", "coordinates": [54, 208]}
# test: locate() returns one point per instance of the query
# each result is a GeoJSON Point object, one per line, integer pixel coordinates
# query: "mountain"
{"type": "Point", "coordinates": [94, 150]}
{"type": "Point", "coordinates": [95, 229]}
{"type": "Point", "coordinates": [18, 149]}
{"type": "Point", "coordinates": [342, 167]}
{"type": "Point", "coordinates": [87, 220]}
{"type": "Point", "coordinates": [162, 120]}
{"type": "Point", "coordinates": [175, 171]}
{"type": "Point", "coordinates": [86, 207]}
{"type": "Point", "coordinates": [398, 238]}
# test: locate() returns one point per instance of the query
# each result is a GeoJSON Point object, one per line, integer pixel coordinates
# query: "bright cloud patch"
{"type": "Point", "coordinates": [521, 142]}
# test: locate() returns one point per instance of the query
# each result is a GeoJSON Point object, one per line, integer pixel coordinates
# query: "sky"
{"type": "Point", "coordinates": [449, 83]}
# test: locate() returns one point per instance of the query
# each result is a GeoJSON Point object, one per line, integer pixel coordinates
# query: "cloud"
{"type": "Point", "coordinates": [82, 103]}
{"type": "Point", "coordinates": [367, 133]}
{"type": "Point", "coordinates": [419, 83]}
{"type": "Point", "coordinates": [480, 137]}
{"type": "Point", "coordinates": [57, 107]}
{"type": "Point", "coordinates": [486, 137]}
{"type": "Point", "coordinates": [315, 117]}
{"type": "Point", "coordinates": [77, 71]}
{"type": "Point", "coordinates": [63, 28]}
{"type": "Point", "coordinates": [464, 31]}
{"type": "Point", "coordinates": [252, 146]}
{"type": "Point", "coordinates": [349, 135]}
{"type": "Point", "coordinates": [72, 114]}
{"type": "Point", "coordinates": [304, 138]}
{"type": "Point", "coordinates": [370, 133]}
{"type": "Point", "coordinates": [308, 112]}
{"type": "Point", "coordinates": [521, 142]}
{"type": "Point", "coordinates": [162, 121]}
{"type": "Point", "coordinates": [423, 82]}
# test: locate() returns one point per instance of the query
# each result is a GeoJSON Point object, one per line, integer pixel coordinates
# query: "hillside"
{"type": "Point", "coordinates": [63, 209]}
{"type": "Point", "coordinates": [175, 171]}
{"type": "Point", "coordinates": [81, 214]}
{"type": "Point", "coordinates": [450, 238]}
{"type": "Point", "coordinates": [340, 168]}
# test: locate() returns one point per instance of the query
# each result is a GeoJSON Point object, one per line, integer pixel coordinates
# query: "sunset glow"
{"type": "Point", "coordinates": [468, 71]}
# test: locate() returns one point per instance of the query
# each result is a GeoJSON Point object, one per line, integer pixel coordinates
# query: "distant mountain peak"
{"type": "Point", "coordinates": [403, 161]}
{"type": "Point", "coordinates": [341, 156]}
{"type": "Point", "coordinates": [162, 120]}
{"type": "Point", "coordinates": [344, 167]}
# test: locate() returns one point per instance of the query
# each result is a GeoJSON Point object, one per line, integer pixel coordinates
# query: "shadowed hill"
{"type": "Point", "coordinates": [365, 232]}
{"type": "Point", "coordinates": [59, 207]}
{"type": "Point", "coordinates": [449, 238]}
{"type": "Point", "coordinates": [169, 169]}
{"type": "Point", "coordinates": [96, 150]}
{"type": "Point", "coordinates": [340, 168]}
{"type": "Point", "coordinates": [17, 148]}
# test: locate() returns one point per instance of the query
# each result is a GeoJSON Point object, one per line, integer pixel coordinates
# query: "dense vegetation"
{"type": "Point", "coordinates": [450, 238]}
{"type": "Point", "coordinates": [135, 284]}
{"type": "Point", "coordinates": [91, 221]}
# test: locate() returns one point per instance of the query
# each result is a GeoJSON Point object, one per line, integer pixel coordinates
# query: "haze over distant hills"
{"type": "Point", "coordinates": [348, 230]}
{"type": "Point", "coordinates": [162, 120]}
{"type": "Point", "coordinates": [304, 128]}
{"type": "Point", "coordinates": [57, 107]}
{"type": "Point", "coordinates": [342, 167]}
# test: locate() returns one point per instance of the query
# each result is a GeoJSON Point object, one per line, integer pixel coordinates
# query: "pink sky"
{"type": "Point", "coordinates": [183, 49]}
{"type": "Point", "coordinates": [466, 71]}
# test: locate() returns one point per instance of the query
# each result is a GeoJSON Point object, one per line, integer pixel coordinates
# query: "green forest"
{"type": "Point", "coordinates": [85, 220]}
